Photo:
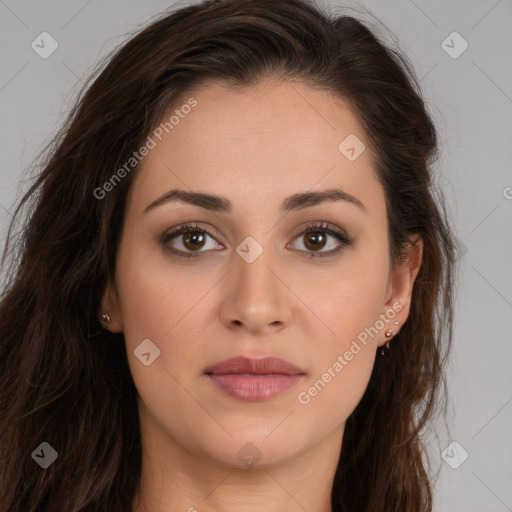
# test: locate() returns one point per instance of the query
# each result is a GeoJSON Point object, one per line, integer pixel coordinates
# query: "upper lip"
{"type": "Point", "coordinates": [261, 366]}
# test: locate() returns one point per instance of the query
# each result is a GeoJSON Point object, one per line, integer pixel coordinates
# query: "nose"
{"type": "Point", "coordinates": [256, 297]}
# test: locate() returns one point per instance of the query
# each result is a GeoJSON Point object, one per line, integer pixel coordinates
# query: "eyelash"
{"type": "Point", "coordinates": [192, 227]}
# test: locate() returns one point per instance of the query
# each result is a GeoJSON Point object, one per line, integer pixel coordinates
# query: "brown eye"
{"type": "Point", "coordinates": [188, 239]}
{"type": "Point", "coordinates": [315, 240]}
{"type": "Point", "coordinates": [316, 237]}
{"type": "Point", "coordinates": [193, 240]}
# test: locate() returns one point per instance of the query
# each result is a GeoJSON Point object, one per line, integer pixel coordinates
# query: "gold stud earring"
{"type": "Point", "coordinates": [105, 318]}
{"type": "Point", "coordinates": [388, 334]}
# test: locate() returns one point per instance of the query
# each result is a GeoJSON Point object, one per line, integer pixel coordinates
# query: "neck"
{"type": "Point", "coordinates": [173, 479]}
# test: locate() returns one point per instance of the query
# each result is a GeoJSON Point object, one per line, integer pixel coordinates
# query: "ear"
{"type": "Point", "coordinates": [110, 305]}
{"type": "Point", "coordinates": [401, 282]}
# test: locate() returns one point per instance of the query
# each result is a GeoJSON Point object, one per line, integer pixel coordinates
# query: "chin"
{"type": "Point", "coordinates": [250, 450]}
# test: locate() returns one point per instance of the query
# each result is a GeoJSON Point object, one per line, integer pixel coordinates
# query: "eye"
{"type": "Point", "coordinates": [316, 236]}
{"type": "Point", "coordinates": [190, 239]}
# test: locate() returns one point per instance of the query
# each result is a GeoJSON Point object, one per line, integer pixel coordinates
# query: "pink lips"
{"type": "Point", "coordinates": [254, 380]}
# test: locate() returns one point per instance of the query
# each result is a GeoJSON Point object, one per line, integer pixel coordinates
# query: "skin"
{"type": "Point", "coordinates": [254, 148]}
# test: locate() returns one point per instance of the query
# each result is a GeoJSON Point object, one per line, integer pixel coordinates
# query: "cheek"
{"type": "Point", "coordinates": [168, 304]}
{"type": "Point", "coordinates": [156, 296]}
{"type": "Point", "coordinates": [350, 304]}
{"type": "Point", "coordinates": [350, 298]}
{"type": "Point", "coordinates": [332, 395]}
{"type": "Point", "coordinates": [342, 362]}
{"type": "Point", "coordinates": [163, 305]}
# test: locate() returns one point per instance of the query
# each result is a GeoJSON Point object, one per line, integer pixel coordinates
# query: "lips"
{"type": "Point", "coordinates": [263, 366]}
{"type": "Point", "coordinates": [254, 380]}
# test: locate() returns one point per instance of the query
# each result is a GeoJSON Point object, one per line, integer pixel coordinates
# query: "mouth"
{"type": "Point", "coordinates": [254, 380]}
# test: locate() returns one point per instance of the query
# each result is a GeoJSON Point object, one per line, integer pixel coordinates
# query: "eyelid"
{"type": "Point", "coordinates": [320, 225]}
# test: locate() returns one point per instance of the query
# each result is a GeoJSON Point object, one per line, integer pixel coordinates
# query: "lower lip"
{"type": "Point", "coordinates": [253, 388]}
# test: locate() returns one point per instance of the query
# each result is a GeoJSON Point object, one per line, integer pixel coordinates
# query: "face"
{"type": "Point", "coordinates": [263, 272]}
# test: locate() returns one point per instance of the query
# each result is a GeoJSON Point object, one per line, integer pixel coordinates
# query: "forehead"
{"type": "Point", "coordinates": [261, 143]}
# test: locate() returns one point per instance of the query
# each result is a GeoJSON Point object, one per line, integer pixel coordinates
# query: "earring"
{"type": "Point", "coordinates": [105, 318]}
{"type": "Point", "coordinates": [388, 334]}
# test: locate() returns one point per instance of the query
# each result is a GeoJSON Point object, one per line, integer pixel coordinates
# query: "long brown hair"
{"type": "Point", "coordinates": [66, 381]}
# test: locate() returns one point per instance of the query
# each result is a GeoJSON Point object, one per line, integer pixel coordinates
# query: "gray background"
{"type": "Point", "coordinates": [470, 98]}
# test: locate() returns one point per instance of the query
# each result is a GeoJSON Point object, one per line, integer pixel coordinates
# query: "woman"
{"type": "Point", "coordinates": [234, 287]}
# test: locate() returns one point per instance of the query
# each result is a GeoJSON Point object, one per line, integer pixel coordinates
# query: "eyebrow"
{"type": "Point", "coordinates": [294, 202]}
